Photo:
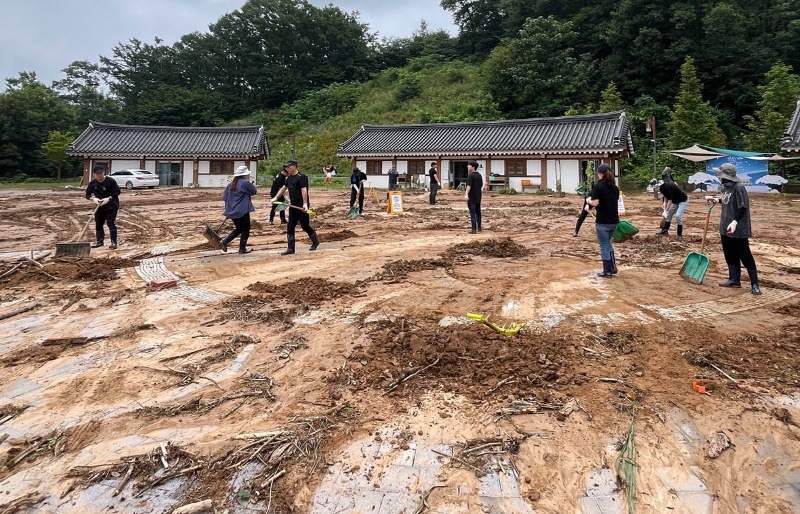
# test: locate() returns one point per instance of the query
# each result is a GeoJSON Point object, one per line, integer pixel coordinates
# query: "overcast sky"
{"type": "Point", "coordinates": [45, 36]}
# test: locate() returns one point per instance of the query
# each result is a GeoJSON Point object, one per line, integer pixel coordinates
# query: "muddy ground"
{"type": "Point", "coordinates": [262, 382]}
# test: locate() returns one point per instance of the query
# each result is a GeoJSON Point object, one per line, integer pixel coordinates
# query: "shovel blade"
{"type": "Point", "coordinates": [353, 212]}
{"type": "Point", "coordinates": [694, 267]}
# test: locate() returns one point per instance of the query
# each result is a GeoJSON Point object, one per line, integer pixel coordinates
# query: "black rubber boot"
{"type": "Point", "coordinates": [680, 233]}
{"type": "Point", "coordinates": [613, 262]}
{"type": "Point", "coordinates": [290, 247]}
{"type": "Point", "coordinates": [734, 277]}
{"type": "Point", "coordinates": [606, 273]}
{"type": "Point", "coordinates": [664, 231]}
{"type": "Point", "coordinates": [96, 244]}
{"type": "Point", "coordinates": [314, 241]}
{"type": "Point", "coordinates": [754, 281]}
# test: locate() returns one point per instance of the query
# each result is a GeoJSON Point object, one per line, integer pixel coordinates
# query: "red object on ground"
{"type": "Point", "coordinates": [163, 283]}
{"type": "Point", "coordinates": [699, 387]}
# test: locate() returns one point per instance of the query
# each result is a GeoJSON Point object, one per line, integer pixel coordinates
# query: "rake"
{"type": "Point", "coordinates": [213, 236]}
{"type": "Point", "coordinates": [282, 206]}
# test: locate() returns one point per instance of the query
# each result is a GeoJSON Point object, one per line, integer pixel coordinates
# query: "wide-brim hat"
{"type": "Point", "coordinates": [727, 172]}
{"type": "Point", "coordinates": [241, 171]}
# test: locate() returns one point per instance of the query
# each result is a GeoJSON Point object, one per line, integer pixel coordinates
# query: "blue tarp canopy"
{"type": "Point", "coordinates": [734, 153]}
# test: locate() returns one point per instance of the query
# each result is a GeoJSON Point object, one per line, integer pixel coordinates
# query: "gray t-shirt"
{"type": "Point", "coordinates": [733, 199]}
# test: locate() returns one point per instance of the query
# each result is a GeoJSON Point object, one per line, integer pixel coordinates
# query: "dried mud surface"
{"type": "Point", "coordinates": [249, 395]}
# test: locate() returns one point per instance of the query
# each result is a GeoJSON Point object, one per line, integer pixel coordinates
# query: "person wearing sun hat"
{"type": "Point", "coordinates": [735, 229]}
{"type": "Point", "coordinates": [238, 206]}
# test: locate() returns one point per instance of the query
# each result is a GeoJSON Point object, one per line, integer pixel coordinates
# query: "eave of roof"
{"type": "Point", "coordinates": [791, 139]}
{"type": "Point", "coordinates": [585, 134]}
{"type": "Point", "coordinates": [113, 140]}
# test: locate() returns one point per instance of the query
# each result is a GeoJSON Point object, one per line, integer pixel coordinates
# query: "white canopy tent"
{"type": "Point", "coordinates": [695, 154]}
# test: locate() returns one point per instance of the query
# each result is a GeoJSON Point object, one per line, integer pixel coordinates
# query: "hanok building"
{"type": "Point", "coordinates": [522, 154]}
{"type": "Point", "coordinates": [790, 142]}
{"type": "Point", "coordinates": [180, 156]}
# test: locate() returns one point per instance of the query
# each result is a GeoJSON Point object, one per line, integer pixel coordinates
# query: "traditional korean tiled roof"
{"type": "Point", "coordinates": [606, 133]}
{"type": "Point", "coordinates": [110, 140]}
{"type": "Point", "coordinates": [790, 141]}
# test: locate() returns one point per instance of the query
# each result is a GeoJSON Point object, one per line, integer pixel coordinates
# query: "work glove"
{"type": "Point", "coordinates": [586, 207]}
{"type": "Point", "coordinates": [305, 207]}
{"type": "Point", "coordinates": [732, 227]}
{"type": "Point", "coordinates": [96, 200]}
{"type": "Point", "coordinates": [273, 200]}
{"type": "Point", "coordinates": [712, 200]}
{"type": "Point", "coordinates": [664, 214]}
{"type": "Point", "coordinates": [104, 201]}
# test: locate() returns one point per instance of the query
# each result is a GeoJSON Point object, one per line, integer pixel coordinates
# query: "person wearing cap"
{"type": "Point", "coordinates": [473, 195]}
{"type": "Point", "coordinates": [666, 175]}
{"type": "Point", "coordinates": [675, 204]}
{"type": "Point", "coordinates": [105, 195]}
{"type": "Point", "coordinates": [238, 206]}
{"type": "Point", "coordinates": [735, 229]}
{"type": "Point", "coordinates": [357, 179]}
{"type": "Point", "coordinates": [393, 175]}
{"type": "Point", "coordinates": [433, 173]}
{"type": "Point", "coordinates": [277, 184]}
{"type": "Point", "coordinates": [604, 198]}
{"type": "Point", "coordinates": [297, 186]}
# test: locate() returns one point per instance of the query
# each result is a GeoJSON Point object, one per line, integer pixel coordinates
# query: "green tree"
{"type": "Point", "coordinates": [692, 118]}
{"type": "Point", "coordinates": [778, 99]}
{"type": "Point", "coordinates": [538, 73]}
{"type": "Point", "coordinates": [29, 111]}
{"type": "Point", "coordinates": [611, 100]}
{"type": "Point", "coordinates": [55, 149]}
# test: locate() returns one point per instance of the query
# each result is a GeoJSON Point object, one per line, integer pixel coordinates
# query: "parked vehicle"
{"type": "Point", "coordinates": [130, 179]}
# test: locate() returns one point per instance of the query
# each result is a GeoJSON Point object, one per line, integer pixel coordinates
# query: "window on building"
{"type": "Point", "coordinates": [515, 168]}
{"type": "Point", "coordinates": [374, 167]}
{"type": "Point", "coordinates": [220, 167]}
{"type": "Point", "coordinates": [416, 167]}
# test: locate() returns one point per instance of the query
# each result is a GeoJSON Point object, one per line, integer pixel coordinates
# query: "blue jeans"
{"type": "Point", "coordinates": [432, 195]}
{"type": "Point", "coordinates": [604, 233]}
{"type": "Point", "coordinates": [474, 215]}
{"type": "Point", "coordinates": [677, 210]}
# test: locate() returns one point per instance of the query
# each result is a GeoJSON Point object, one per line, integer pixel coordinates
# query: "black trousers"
{"type": "Point", "coordinates": [360, 199]}
{"type": "Point", "coordinates": [737, 250]}
{"type": "Point", "coordinates": [295, 217]}
{"type": "Point", "coordinates": [241, 228]}
{"type": "Point", "coordinates": [272, 211]}
{"type": "Point", "coordinates": [106, 215]}
{"type": "Point", "coordinates": [582, 217]}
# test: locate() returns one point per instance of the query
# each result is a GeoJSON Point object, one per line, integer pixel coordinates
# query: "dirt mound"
{"type": "Point", "coordinates": [306, 291]}
{"type": "Point", "coordinates": [397, 271]}
{"type": "Point", "coordinates": [501, 248]}
{"type": "Point", "coordinates": [790, 310]}
{"type": "Point", "coordinates": [68, 269]}
{"type": "Point", "coordinates": [468, 359]}
{"type": "Point", "coordinates": [756, 358]}
{"type": "Point", "coordinates": [259, 309]}
{"type": "Point", "coordinates": [329, 237]}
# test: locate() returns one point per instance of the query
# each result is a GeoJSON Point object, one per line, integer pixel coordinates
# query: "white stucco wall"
{"type": "Point", "coordinates": [207, 180]}
{"type": "Point", "coordinates": [126, 164]}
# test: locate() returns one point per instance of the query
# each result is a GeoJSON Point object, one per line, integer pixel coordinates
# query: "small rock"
{"type": "Point", "coordinates": [527, 480]}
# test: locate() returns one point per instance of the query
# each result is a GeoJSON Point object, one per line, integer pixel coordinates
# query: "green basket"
{"type": "Point", "coordinates": [624, 231]}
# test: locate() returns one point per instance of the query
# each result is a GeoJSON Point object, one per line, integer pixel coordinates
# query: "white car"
{"type": "Point", "coordinates": [130, 179]}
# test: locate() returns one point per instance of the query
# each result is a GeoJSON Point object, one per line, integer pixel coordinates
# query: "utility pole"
{"type": "Point", "coordinates": [650, 128]}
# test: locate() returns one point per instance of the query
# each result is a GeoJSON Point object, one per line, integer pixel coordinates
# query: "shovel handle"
{"type": "Point", "coordinates": [705, 231]}
{"type": "Point", "coordinates": [87, 222]}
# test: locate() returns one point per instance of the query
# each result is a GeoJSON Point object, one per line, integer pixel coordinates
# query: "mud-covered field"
{"type": "Point", "coordinates": [350, 379]}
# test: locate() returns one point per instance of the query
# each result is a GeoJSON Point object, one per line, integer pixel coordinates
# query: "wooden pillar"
{"type": "Point", "coordinates": [543, 166]}
{"type": "Point", "coordinates": [196, 172]}
{"type": "Point", "coordinates": [86, 171]}
{"type": "Point", "coordinates": [488, 172]}
{"type": "Point", "coordinates": [142, 163]}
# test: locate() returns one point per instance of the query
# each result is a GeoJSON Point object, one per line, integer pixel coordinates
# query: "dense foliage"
{"type": "Point", "coordinates": [710, 72]}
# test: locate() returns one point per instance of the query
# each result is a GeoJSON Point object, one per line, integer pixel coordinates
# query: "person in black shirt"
{"type": "Point", "coordinates": [277, 184]}
{"type": "Point", "coordinates": [604, 198]}
{"type": "Point", "coordinates": [473, 196]}
{"type": "Point", "coordinates": [357, 179]}
{"type": "Point", "coordinates": [297, 186]}
{"type": "Point", "coordinates": [675, 203]}
{"type": "Point", "coordinates": [105, 194]}
{"type": "Point", "coordinates": [435, 183]}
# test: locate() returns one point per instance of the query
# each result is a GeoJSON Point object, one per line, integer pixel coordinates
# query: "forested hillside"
{"type": "Point", "coordinates": [721, 73]}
